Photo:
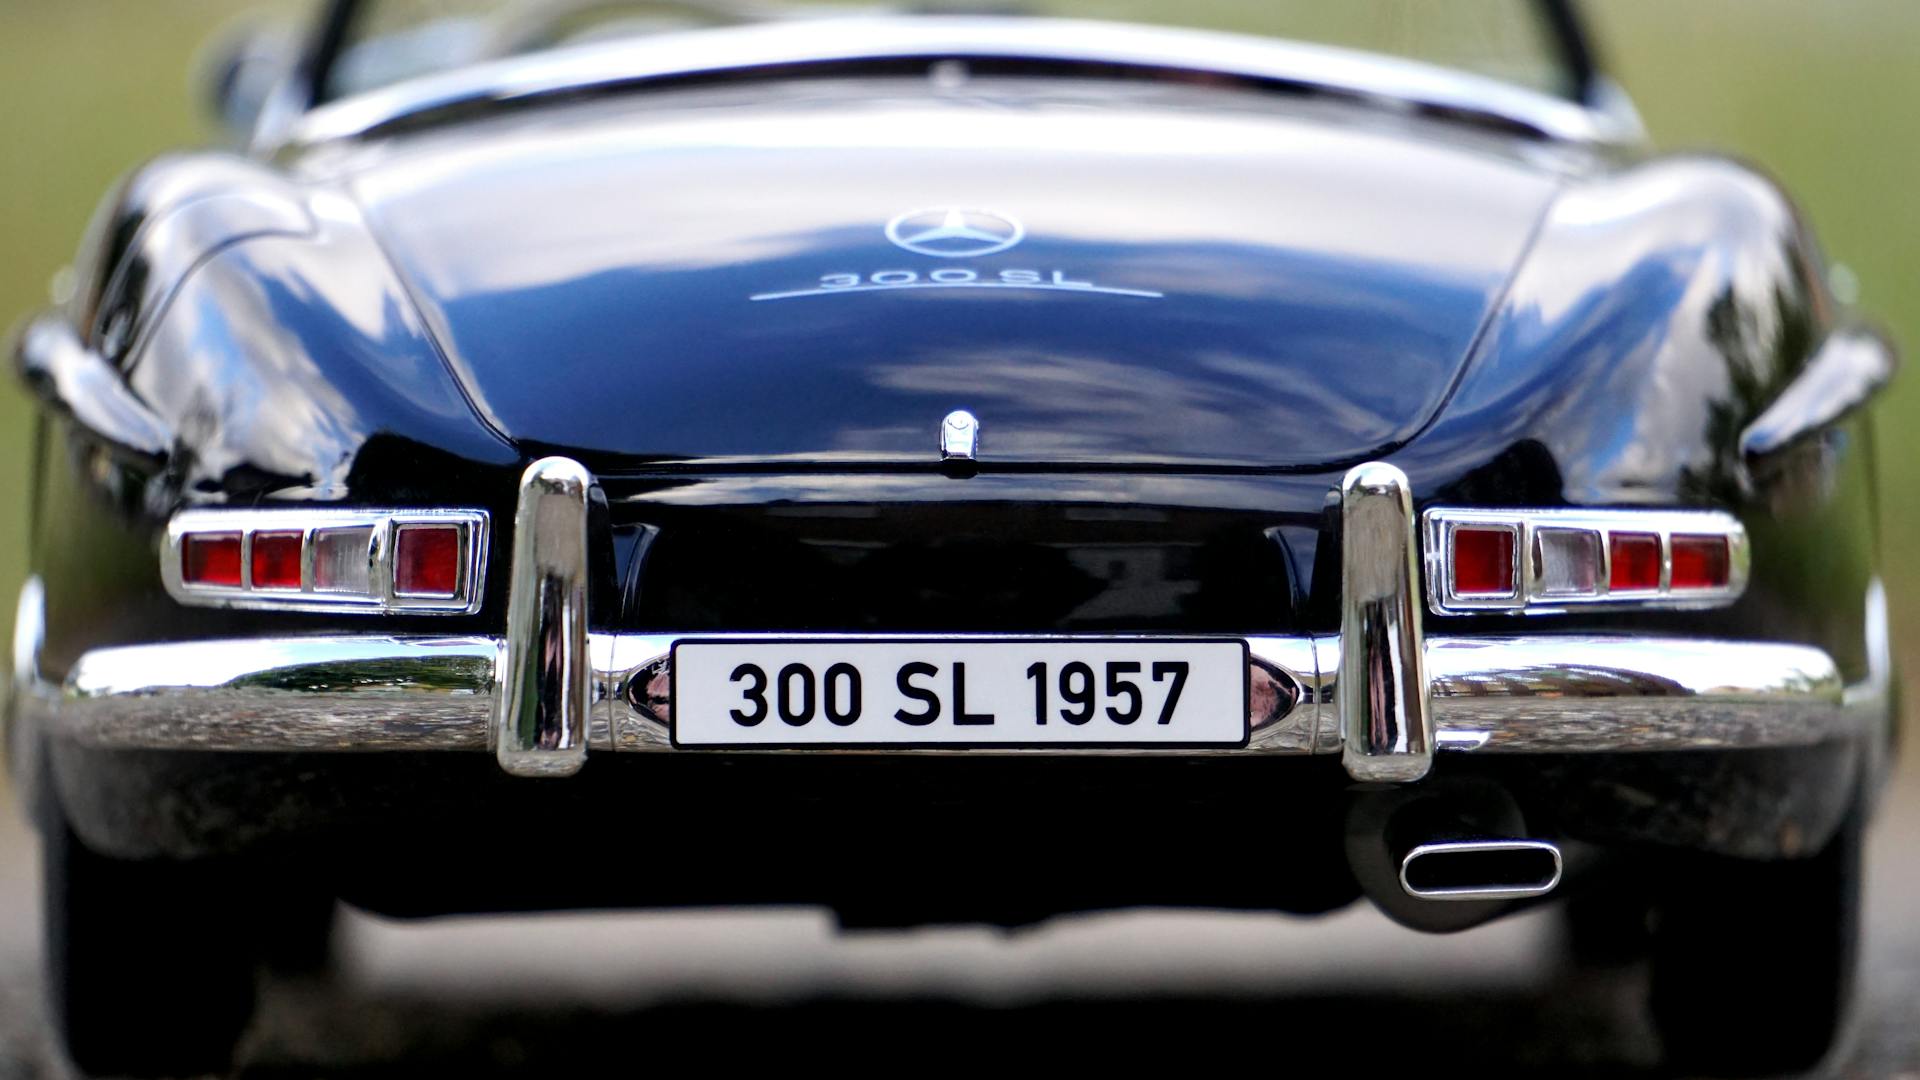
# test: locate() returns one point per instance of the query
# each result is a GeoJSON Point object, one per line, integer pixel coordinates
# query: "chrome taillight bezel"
{"type": "Point", "coordinates": [384, 526]}
{"type": "Point", "coordinates": [1529, 598]}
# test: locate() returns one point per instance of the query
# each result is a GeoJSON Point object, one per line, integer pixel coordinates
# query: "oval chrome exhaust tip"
{"type": "Point", "coordinates": [1480, 870]}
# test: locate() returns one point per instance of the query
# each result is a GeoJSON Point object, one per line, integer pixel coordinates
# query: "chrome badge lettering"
{"type": "Point", "coordinates": [952, 232]}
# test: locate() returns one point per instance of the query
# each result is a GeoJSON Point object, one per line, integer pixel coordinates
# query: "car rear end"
{"type": "Point", "coordinates": [716, 500]}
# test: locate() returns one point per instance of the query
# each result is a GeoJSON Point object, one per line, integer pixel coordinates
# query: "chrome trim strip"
{"type": "Point", "coordinates": [840, 40]}
{"type": "Point", "coordinates": [29, 636]}
{"type": "Point", "coordinates": [385, 524]}
{"type": "Point", "coordinates": [1439, 524]}
{"type": "Point", "coordinates": [1545, 694]}
{"type": "Point", "coordinates": [59, 367]}
{"type": "Point", "coordinates": [1851, 366]}
{"type": "Point", "coordinates": [1873, 697]}
{"type": "Point", "coordinates": [544, 691]}
{"type": "Point", "coordinates": [1488, 892]}
{"type": "Point", "coordinates": [1874, 692]}
{"type": "Point", "coordinates": [25, 688]}
{"type": "Point", "coordinates": [1387, 732]}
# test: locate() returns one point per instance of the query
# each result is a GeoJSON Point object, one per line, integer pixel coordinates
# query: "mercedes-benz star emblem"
{"type": "Point", "coordinates": [954, 232]}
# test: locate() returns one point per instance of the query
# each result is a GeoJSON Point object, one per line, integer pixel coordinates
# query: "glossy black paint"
{"type": "Point", "coordinates": [410, 321]}
{"type": "Point", "coordinates": [898, 553]}
{"type": "Point", "coordinates": [1319, 275]}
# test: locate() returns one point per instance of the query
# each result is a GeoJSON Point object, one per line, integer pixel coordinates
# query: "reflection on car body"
{"type": "Point", "coordinates": [1265, 431]}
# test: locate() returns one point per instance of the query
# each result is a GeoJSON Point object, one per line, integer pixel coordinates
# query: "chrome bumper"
{"type": "Point", "coordinates": [551, 692]}
{"type": "Point", "coordinates": [1489, 695]}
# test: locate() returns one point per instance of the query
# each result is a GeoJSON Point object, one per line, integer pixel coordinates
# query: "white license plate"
{"type": "Point", "coordinates": [1003, 692]}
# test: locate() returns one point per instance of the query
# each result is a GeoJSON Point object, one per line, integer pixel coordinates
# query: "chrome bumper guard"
{"type": "Point", "coordinates": [1379, 695]}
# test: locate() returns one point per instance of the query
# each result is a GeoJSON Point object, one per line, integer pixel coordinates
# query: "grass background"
{"type": "Point", "coordinates": [1826, 96]}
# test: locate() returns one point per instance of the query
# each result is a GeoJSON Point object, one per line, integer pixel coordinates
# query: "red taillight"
{"type": "Point", "coordinates": [276, 559]}
{"type": "Point", "coordinates": [1547, 560]}
{"type": "Point", "coordinates": [1636, 562]}
{"type": "Point", "coordinates": [211, 559]}
{"type": "Point", "coordinates": [1701, 562]}
{"type": "Point", "coordinates": [1483, 562]}
{"type": "Point", "coordinates": [427, 561]}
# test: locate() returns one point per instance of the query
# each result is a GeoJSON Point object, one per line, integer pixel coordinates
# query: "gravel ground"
{"type": "Point", "coordinates": [584, 994]}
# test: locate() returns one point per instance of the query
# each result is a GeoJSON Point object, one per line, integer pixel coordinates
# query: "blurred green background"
{"type": "Point", "coordinates": [1826, 96]}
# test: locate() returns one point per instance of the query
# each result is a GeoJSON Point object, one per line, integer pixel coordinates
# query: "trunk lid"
{"type": "Point", "coordinates": [820, 271]}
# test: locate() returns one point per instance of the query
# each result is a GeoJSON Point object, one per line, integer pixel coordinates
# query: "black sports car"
{"type": "Point", "coordinates": [946, 467]}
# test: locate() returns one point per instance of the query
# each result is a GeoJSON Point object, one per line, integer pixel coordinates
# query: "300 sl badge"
{"type": "Point", "coordinates": [953, 232]}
